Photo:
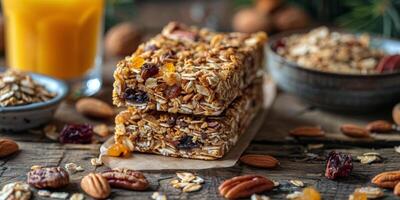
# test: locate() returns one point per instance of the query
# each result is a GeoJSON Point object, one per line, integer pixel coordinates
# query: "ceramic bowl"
{"type": "Point", "coordinates": [334, 91]}
{"type": "Point", "coordinates": [19, 118]}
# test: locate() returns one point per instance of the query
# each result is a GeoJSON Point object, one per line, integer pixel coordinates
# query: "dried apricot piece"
{"type": "Point", "coordinates": [310, 193]}
{"type": "Point", "coordinates": [117, 150]}
{"type": "Point", "coordinates": [137, 62]}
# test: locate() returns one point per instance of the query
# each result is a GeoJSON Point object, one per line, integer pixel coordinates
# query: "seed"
{"type": "Point", "coordinates": [191, 187]}
{"type": "Point", "coordinates": [297, 183]}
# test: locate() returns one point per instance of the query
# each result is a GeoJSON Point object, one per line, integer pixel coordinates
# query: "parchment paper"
{"type": "Point", "coordinates": [141, 161]}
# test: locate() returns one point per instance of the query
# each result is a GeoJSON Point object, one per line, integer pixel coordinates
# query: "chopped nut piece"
{"type": "Point", "coordinates": [297, 183]}
{"type": "Point", "coordinates": [44, 193]}
{"type": "Point", "coordinates": [50, 132]}
{"type": "Point", "coordinates": [77, 196]}
{"type": "Point", "coordinates": [371, 192]}
{"type": "Point", "coordinates": [72, 168]}
{"type": "Point", "coordinates": [295, 195]}
{"type": "Point", "coordinates": [191, 187]}
{"type": "Point", "coordinates": [16, 190]}
{"type": "Point", "coordinates": [259, 197]}
{"type": "Point", "coordinates": [101, 130]}
{"type": "Point", "coordinates": [96, 162]}
{"type": "Point", "coordinates": [370, 157]}
{"type": "Point", "coordinates": [59, 195]}
{"type": "Point", "coordinates": [158, 196]}
{"type": "Point", "coordinates": [186, 176]}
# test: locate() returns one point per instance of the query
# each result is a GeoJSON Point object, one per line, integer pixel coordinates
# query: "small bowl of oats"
{"type": "Point", "coordinates": [28, 100]}
{"type": "Point", "coordinates": [337, 70]}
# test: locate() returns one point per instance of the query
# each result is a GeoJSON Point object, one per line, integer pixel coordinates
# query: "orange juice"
{"type": "Point", "coordinates": [59, 38]}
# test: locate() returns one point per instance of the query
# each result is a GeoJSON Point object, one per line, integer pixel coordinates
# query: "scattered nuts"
{"type": "Point", "coordinates": [262, 161]}
{"type": "Point", "coordinates": [50, 131]}
{"type": "Point", "coordinates": [387, 179]}
{"type": "Point", "coordinates": [49, 177]}
{"type": "Point", "coordinates": [7, 147]}
{"type": "Point", "coordinates": [96, 162]}
{"type": "Point", "coordinates": [94, 108]}
{"type": "Point", "coordinates": [259, 197]}
{"type": "Point", "coordinates": [16, 191]}
{"type": "Point", "coordinates": [371, 192]}
{"type": "Point", "coordinates": [59, 195]}
{"type": "Point", "coordinates": [249, 184]}
{"type": "Point", "coordinates": [368, 158]}
{"type": "Point", "coordinates": [72, 168]}
{"type": "Point", "coordinates": [77, 196]}
{"type": "Point", "coordinates": [396, 189]}
{"type": "Point", "coordinates": [186, 177]}
{"type": "Point", "coordinates": [191, 187]}
{"type": "Point", "coordinates": [158, 196]}
{"type": "Point", "coordinates": [96, 186]}
{"type": "Point", "coordinates": [396, 114]}
{"type": "Point", "coordinates": [126, 179]}
{"type": "Point", "coordinates": [354, 131]}
{"type": "Point", "coordinates": [297, 183]}
{"type": "Point", "coordinates": [307, 131]}
{"type": "Point", "coordinates": [101, 130]}
{"type": "Point", "coordinates": [188, 182]}
{"type": "Point", "coordinates": [379, 126]}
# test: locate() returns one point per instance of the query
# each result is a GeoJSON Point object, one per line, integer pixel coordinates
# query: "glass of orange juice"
{"type": "Point", "coordinates": [59, 38]}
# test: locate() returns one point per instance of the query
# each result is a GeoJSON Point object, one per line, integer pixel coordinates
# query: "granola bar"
{"type": "Point", "coordinates": [188, 136]}
{"type": "Point", "coordinates": [188, 70]}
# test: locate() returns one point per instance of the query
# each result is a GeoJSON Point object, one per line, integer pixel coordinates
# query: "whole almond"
{"type": "Point", "coordinates": [262, 161]}
{"type": "Point", "coordinates": [7, 147]}
{"type": "Point", "coordinates": [379, 126]}
{"type": "Point", "coordinates": [396, 189]}
{"type": "Point", "coordinates": [396, 114]}
{"type": "Point", "coordinates": [244, 186]}
{"type": "Point", "coordinates": [355, 131]}
{"type": "Point", "coordinates": [387, 179]}
{"type": "Point", "coordinates": [96, 186]}
{"type": "Point", "coordinates": [94, 108]}
{"type": "Point", "coordinates": [307, 131]}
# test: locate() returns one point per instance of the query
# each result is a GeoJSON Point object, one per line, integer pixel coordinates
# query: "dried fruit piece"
{"type": "Point", "coordinates": [117, 150]}
{"type": "Point", "coordinates": [396, 114]}
{"type": "Point", "coordinates": [358, 196]}
{"type": "Point", "coordinates": [16, 191]}
{"type": "Point", "coordinates": [135, 96]}
{"type": "Point", "coordinates": [379, 126]}
{"type": "Point", "coordinates": [186, 142]}
{"type": "Point", "coordinates": [137, 62]}
{"type": "Point", "coordinates": [387, 179]}
{"type": "Point", "coordinates": [76, 134]}
{"type": "Point", "coordinates": [396, 189]}
{"type": "Point", "coordinates": [245, 186]}
{"type": "Point", "coordinates": [310, 193]}
{"type": "Point", "coordinates": [389, 63]}
{"type": "Point", "coordinates": [338, 165]}
{"type": "Point", "coordinates": [148, 70]}
{"type": "Point", "coordinates": [7, 147]}
{"type": "Point", "coordinates": [355, 131]}
{"type": "Point", "coordinates": [94, 108]}
{"type": "Point", "coordinates": [48, 177]}
{"type": "Point", "coordinates": [126, 179]}
{"type": "Point", "coordinates": [96, 186]}
{"type": "Point", "coordinates": [371, 192]}
{"type": "Point", "coordinates": [263, 161]}
{"type": "Point", "coordinates": [172, 91]}
{"type": "Point", "coordinates": [307, 131]}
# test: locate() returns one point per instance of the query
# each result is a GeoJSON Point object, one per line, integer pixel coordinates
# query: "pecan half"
{"type": "Point", "coordinates": [263, 161]}
{"type": "Point", "coordinates": [126, 179]}
{"type": "Point", "coordinates": [379, 126]}
{"type": "Point", "coordinates": [355, 131]}
{"type": "Point", "coordinates": [396, 189]}
{"type": "Point", "coordinates": [96, 186]}
{"type": "Point", "coordinates": [244, 186]}
{"type": "Point", "coordinates": [387, 179]}
{"type": "Point", "coordinates": [48, 177]}
{"type": "Point", "coordinates": [307, 131]}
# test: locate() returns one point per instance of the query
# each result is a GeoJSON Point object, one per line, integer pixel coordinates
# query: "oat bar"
{"type": "Point", "coordinates": [188, 136]}
{"type": "Point", "coordinates": [188, 70]}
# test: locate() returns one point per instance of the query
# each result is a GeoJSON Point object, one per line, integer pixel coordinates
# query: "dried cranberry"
{"type": "Point", "coordinates": [278, 44]}
{"type": "Point", "coordinates": [338, 165]}
{"type": "Point", "coordinates": [76, 134]}
{"type": "Point", "coordinates": [135, 96]}
{"type": "Point", "coordinates": [186, 142]}
{"type": "Point", "coordinates": [149, 70]}
{"type": "Point", "coordinates": [173, 91]}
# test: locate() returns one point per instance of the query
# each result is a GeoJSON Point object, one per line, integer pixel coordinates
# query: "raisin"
{"type": "Point", "coordinates": [338, 165]}
{"type": "Point", "coordinates": [173, 91]}
{"type": "Point", "coordinates": [171, 120]}
{"type": "Point", "coordinates": [186, 142]}
{"type": "Point", "coordinates": [76, 134]}
{"type": "Point", "coordinates": [149, 70]}
{"type": "Point", "coordinates": [135, 96]}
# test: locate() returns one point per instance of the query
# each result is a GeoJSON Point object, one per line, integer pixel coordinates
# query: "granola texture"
{"type": "Point", "coordinates": [188, 70]}
{"type": "Point", "coordinates": [188, 136]}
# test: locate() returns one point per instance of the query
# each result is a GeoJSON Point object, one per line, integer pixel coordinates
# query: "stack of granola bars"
{"type": "Point", "coordinates": [189, 92]}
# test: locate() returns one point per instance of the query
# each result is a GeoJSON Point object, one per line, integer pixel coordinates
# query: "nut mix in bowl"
{"type": "Point", "coordinates": [337, 52]}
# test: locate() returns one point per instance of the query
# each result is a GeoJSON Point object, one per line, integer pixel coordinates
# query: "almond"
{"type": "Point", "coordinates": [244, 186]}
{"type": "Point", "coordinates": [396, 189]}
{"type": "Point", "coordinates": [94, 108]}
{"type": "Point", "coordinates": [307, 131]}
{"type": "Point", "coordinates": [387, 179]}
{"type": "Point", "coordinates": [355, 131]}
{"type": "Point", "coordinates": [7, 147]}
{"type": "Point", "coordinates": [379, 126]}
{"type": "Point", "coordinates": [96, 186]}
{"type": "Point", "coordinates": [396, 114]}
{"type": "Point", "coordinates": [262, 161]}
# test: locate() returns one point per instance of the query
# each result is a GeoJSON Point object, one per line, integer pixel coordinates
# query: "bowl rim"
{"type": "Point", "coordinates": [292, 64]}
{"type": "Point", "coordinates": [62, 92]}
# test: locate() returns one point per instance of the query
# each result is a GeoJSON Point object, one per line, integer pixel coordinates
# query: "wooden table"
{"type": "Point", "coordinates": [297, 160]}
